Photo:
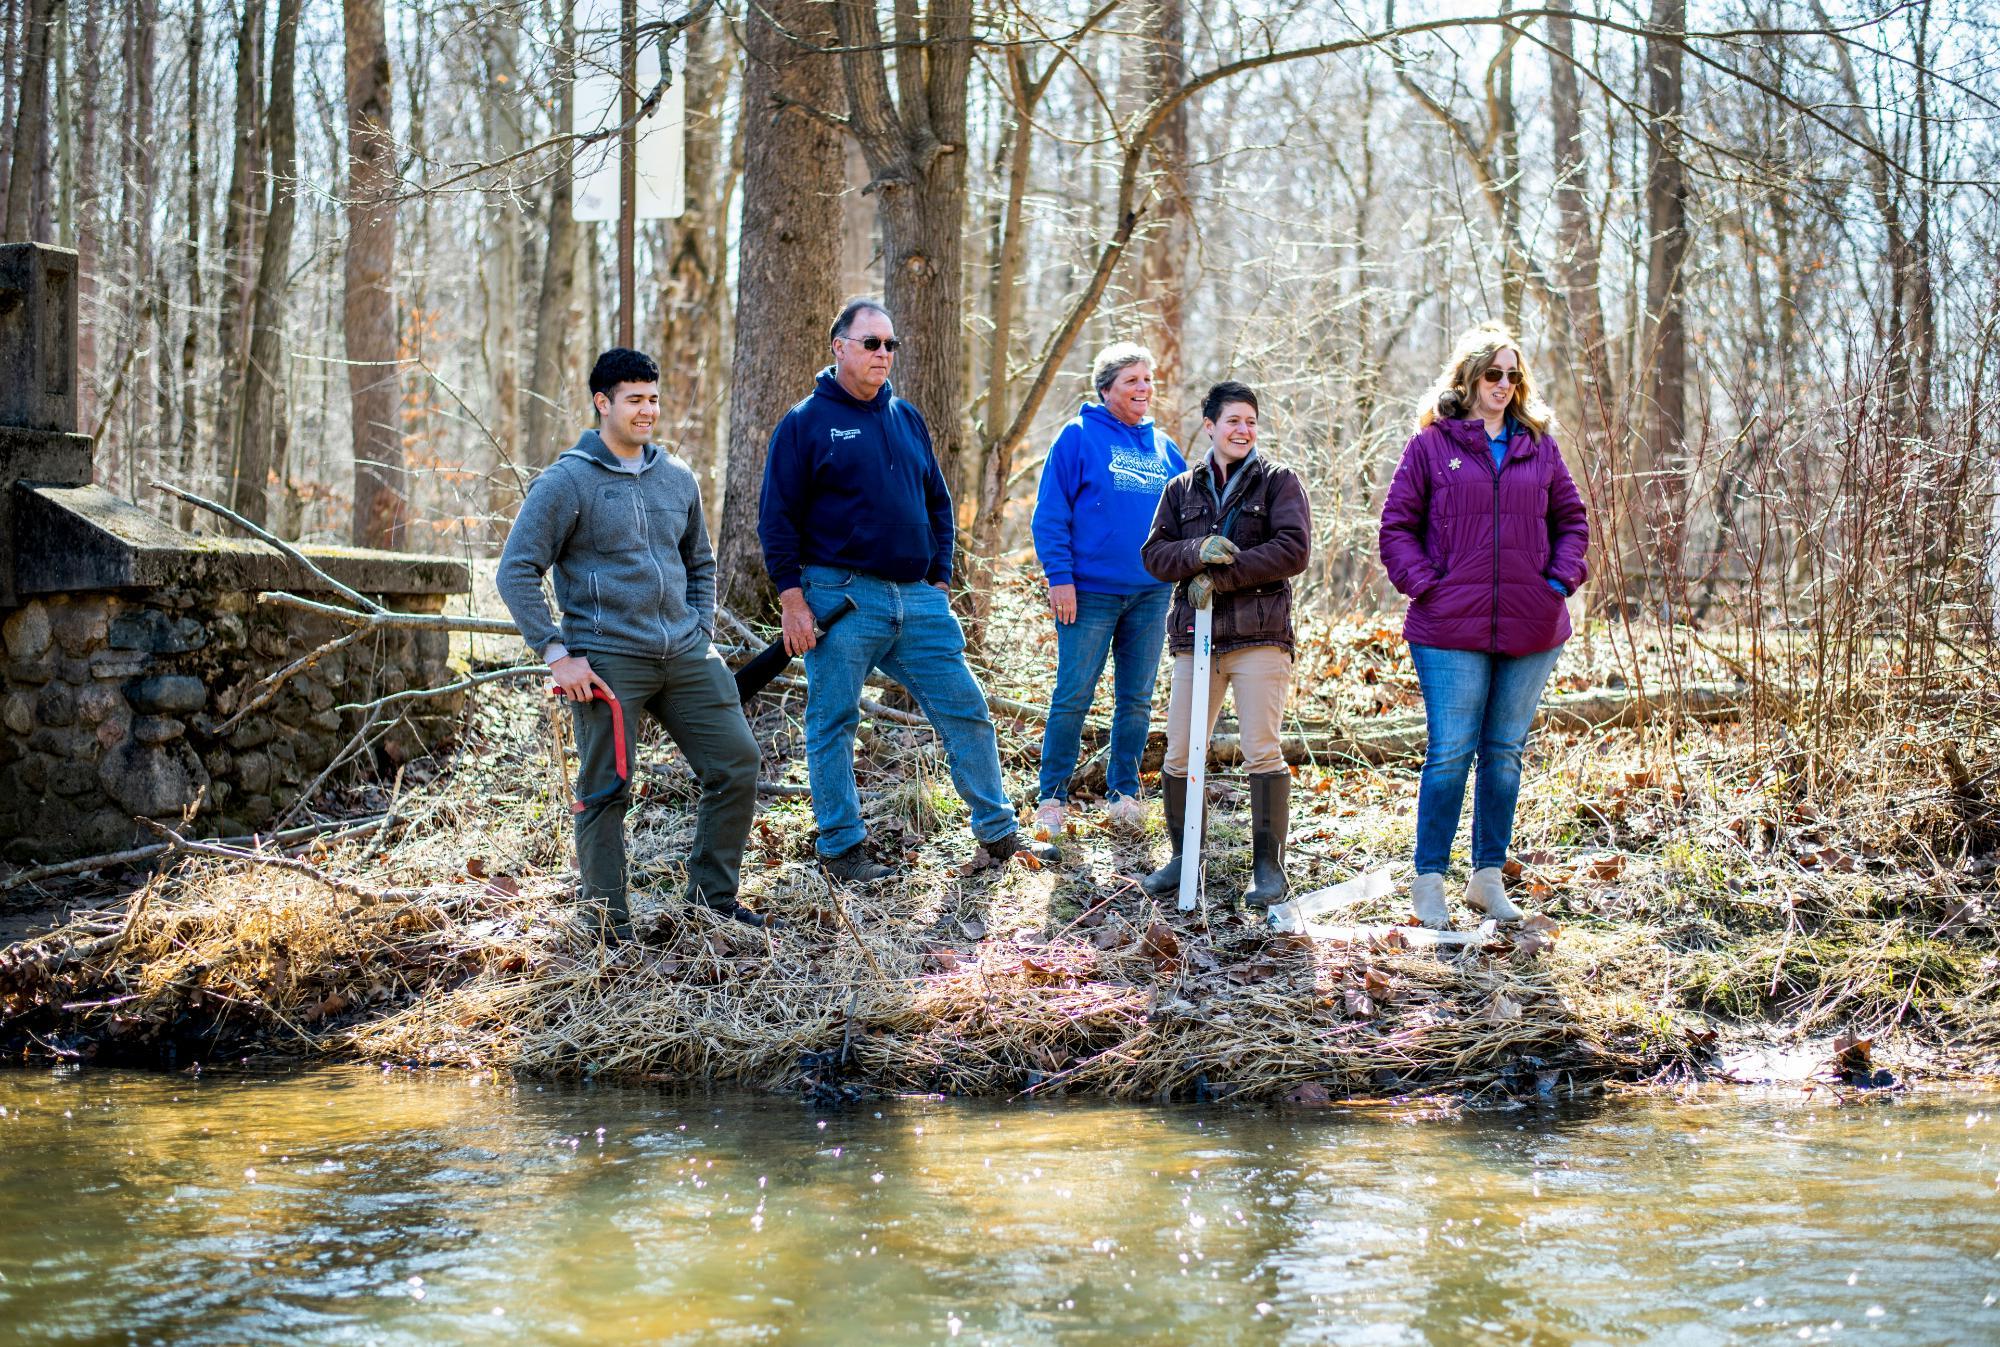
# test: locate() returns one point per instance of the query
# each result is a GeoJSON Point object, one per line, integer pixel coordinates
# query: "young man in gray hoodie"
{"type": "Point", "coordinates": [617, 523]}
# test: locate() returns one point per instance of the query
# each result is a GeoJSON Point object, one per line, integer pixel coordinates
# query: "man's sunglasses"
{"type": "Point", "coordinates": [1494, 375]}
{"type": "Point", "coordinates": [888, 344]}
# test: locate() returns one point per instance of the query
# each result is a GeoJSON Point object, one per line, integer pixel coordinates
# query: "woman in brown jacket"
{"type": "Point", "coordinates": [1230, 533]}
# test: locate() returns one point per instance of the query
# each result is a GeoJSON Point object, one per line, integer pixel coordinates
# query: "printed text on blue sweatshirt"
{"type": "Point", "coordinates": [1095, 505]}
{"type": "Point", "coordinates": [855, 485]}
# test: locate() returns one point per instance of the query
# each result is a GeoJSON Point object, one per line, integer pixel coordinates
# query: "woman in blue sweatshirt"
{"type": "Point", "coordinates": [1099, 489]}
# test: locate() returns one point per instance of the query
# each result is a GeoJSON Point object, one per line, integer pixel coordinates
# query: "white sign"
{"type": "Point", "coordinates": [662, 169]}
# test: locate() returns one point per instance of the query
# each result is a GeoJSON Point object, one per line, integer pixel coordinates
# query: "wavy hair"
{"type": "Point", "coordinates": [1451, 396]}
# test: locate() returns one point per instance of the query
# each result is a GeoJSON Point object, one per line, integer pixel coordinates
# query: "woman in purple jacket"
{"type": "Point", "coordinates": [1484, 531]}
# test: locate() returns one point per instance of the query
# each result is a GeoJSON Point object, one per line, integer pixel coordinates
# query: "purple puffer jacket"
{"type": "Point", "coordinates": [1475, 549]}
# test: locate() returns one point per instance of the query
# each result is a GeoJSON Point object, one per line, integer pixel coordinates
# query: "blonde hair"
{"type": "Point", "coordinates": [1451, 396]}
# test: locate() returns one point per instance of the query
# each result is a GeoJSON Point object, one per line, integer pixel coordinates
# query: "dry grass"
{"type": "Point", "coordinates": [1699, 885]}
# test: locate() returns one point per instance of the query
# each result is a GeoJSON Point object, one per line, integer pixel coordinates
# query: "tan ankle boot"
{"type": "Point", "coordinates": [1486, 893]}
{"type": "Point", "coordinates": [1427, 901]}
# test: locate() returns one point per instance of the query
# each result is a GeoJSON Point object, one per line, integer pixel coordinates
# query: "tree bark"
{"type": "Point", "coordinates": [189, 428]}
{"type": "Point", "coordinates": [500, 333]}
{"type": "Point", "coordinates": [240, 224]}
{"type": "Point", "coordinates": [1666, 320]}
{"type": "Point", "coordinates": [558, 287]}
{"type": "Point", "coordinates": [690, 350]}
{"type": "Point", "coordinates": [915, 143]}
{"type": "Point", "coordinates": [263, 374]}
{"type": "Point", "coordinates": [381, 506]}
{"type": "Point", "coordinates": [787, 267]}
{"type": "Point", "coordinates": [31, 125]}
{"type": "Point", "coordinates": [1164, 260]}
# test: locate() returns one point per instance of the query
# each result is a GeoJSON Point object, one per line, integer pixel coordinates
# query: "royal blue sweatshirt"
{"type": "Point", "coordinates": [856, 485]}
{"type": "Point", "coordinates": [1099, 489]}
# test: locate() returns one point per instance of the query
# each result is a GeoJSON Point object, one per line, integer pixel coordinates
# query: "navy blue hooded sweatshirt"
{"type": "Point", "coordinates": [855, 485]}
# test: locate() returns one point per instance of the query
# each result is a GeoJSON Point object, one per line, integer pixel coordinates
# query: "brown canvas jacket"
{"type": "Point", "coordinates": [1253, 597]}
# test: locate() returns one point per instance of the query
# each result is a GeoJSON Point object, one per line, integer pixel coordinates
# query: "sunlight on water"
{"type": "Point", "coordinates": [354, 1206]}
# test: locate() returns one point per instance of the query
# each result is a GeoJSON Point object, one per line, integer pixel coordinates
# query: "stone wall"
{"type": "Point", "coordinates": [111, 702]}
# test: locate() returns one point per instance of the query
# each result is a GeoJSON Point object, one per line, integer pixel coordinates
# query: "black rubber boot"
{"type": "Point", "coordinates": [1270, 819]}
{"type": "Point", "coordinates": [1173, 798]}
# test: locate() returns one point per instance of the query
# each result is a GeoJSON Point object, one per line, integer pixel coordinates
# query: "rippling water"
{"type": "Point", "coordinates": [355, 1206]}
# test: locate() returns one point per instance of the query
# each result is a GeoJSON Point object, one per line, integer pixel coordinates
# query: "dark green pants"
{"type": "Point", "coordinates": [694, 697]}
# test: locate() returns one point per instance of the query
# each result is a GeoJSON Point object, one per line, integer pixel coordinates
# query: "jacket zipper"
{"type": "Point", "coordinates": [1493, 638]}
{"type": "Point", "coordinates": [660, 608]}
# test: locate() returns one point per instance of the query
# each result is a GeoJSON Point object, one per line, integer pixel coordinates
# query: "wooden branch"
{"type": "Point", "coordinates": [111, 859]}
{"type": "Point", "coordinates": [367, 895]}
{"type": "Point", "coordinates": [383, 617]}
{"type": "Point", "coordinates": [269, 688]}
{"type": "Point", "coordinates": [415, 694]}
{"type": "Point", "coordinates": [266, 536]}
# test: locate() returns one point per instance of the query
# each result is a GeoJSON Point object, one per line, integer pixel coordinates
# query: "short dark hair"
{"type": "Point", "coordinates": [853, 309]}
{"type": "Point", "coordinates": [1228, 391]}
{"type": "Point", "coordinates": [620, 365]}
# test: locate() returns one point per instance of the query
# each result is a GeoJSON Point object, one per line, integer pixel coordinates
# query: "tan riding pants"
{"type": "Point", "coordinates": [1262, 677]}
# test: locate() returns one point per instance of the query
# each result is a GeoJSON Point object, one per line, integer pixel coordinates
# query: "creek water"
{"type": "Point", "coordinates": [352, 1205]}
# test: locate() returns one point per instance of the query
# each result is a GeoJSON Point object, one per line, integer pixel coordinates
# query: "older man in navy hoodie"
{"type": "Point", "coordinates": [855, 509]}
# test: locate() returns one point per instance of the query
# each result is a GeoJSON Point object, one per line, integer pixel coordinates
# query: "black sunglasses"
{"type": "Point", "coordinates": [1494, 375]}
{"type": "Point", "coordinates": [888, 344]}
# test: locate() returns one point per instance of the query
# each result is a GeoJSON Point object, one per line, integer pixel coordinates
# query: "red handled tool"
{"type": "Point", "coordinates": [617, 744]}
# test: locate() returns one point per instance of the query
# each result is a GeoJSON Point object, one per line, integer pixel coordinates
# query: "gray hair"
{"type": "Point", "coordinates": [1114, 360]}
{"type": "Point", "coordinates": [853, 309]}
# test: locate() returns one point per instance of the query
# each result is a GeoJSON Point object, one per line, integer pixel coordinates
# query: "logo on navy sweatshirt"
{"type": "Point", "coordinates": [839, 434]}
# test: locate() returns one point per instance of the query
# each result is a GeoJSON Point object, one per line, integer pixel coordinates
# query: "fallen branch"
{"type": "Point", "coordinates": [266, 536]}
{"type": "Point", "coordinates": [383, 617]}
{"type": "Point", "coordinates": [414, 694]}
{"type": "Point", "coordinates": [132, 856]}
{"type": "Point", "coordinates": [367, 895]}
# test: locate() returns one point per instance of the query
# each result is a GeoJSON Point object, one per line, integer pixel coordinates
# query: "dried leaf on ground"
{"type": "Point", "coordinates": [1504, 1008]}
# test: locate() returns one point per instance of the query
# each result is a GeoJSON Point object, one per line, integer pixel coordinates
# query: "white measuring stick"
{"type": "Point", "coordinates": [1197, 781]}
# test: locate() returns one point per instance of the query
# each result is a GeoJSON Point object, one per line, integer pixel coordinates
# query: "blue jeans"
{"type": "Point", "coordinates": [1473, 703]}
{"type": "Point", "coordinates": [909, 633]}
{"type": "Point", "coordinates": [1131, 629]}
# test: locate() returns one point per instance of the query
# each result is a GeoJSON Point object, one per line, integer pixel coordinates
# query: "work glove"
{"type": "Point", "coordinates": [1217, 550]}
{"type": "Point", "coordinates": [1201, 591]}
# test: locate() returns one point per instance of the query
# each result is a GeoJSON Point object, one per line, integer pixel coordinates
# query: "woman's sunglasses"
{"type": "Point", "coordinates": [888, 344]}
{"type": "Point", "coordinates": [1494, 375]}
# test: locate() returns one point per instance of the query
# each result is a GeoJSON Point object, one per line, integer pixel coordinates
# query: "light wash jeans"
{"type": "Point", "coordinates": [1474, 703]}
{"type": "Point", "coordinates": [1131, 629]}
{"type": "Point", "coordinates": [909, 632]}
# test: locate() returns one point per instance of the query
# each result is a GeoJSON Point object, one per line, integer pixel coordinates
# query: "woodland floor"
{"type": "Point", "coordinates": [1731, 900]}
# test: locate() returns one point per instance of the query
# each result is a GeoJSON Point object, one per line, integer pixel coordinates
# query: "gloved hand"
{"type": "Point", "coordinates": [1217, 550]}
{"type": "Point", "coordinates": [1201, 591]}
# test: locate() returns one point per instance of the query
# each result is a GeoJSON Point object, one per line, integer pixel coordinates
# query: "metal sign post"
{"type": "Point", "coordinates": [1193, 892]}
{"type": "Point", "coordinates": [628, 167]}
{"type": "Point", "coordinates": [640, 174]}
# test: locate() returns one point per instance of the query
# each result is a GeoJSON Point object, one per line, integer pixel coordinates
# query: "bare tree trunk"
{"type": "Point", "coordinates": [558, 287]}
{"type": "Point", "coordinates": [31, 126]}
{"type": "Point", "coordinates": [690, 351]}
{"type": "Point", "coordinates": [1164, 260]}
{"type": "Point", "coordinates": [189, 429]}
{"type": "Point", "coordinates": [1666, 345]}
{"type": "Point", "coordinates": [787, 268]}
{"type": "Point", "coordinates": [915, 142]}
{"type": "Point", "coordinates": [996, 456]}
{"type": "Point", "coordinates": [1507, 138]}
{"type": "Point", "coordinates": [12, 17]}
{"type": "Point", "coordinates": [500, 336]}
{"type": "Point", "coordinates": [240, 225]}
{"type": "Point", "coordinates": [859, 274]}
{"type": "Point", "coordinates": [263, 375]}
{"type": "Point", "coordinates": [1598, 444]}
{"type": "Point", "coordinates": [381, 502]}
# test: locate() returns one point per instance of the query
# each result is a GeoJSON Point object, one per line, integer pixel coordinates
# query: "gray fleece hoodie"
{"type": "Point", "coordinates": [634, 573]}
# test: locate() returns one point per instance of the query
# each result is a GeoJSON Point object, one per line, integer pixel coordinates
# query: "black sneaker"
{"type": "Point", "coordinates": [749, 916]}
{"type": "Point", "coordinates": [854, 866]}
{"type": "Point", "coordinates": [1002, 849]}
